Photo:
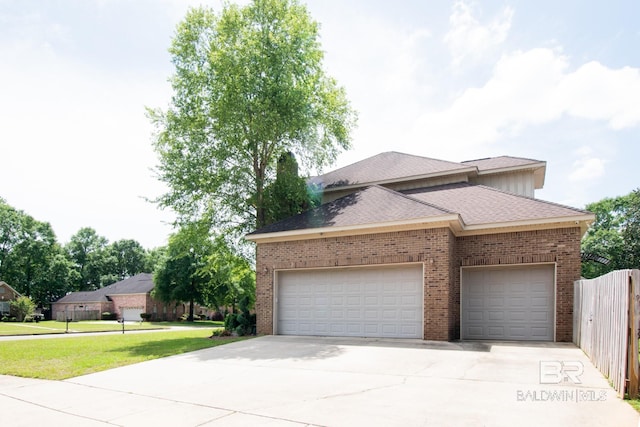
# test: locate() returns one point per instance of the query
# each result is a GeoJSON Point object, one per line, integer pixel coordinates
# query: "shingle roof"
{"type": "Point", "coordinates": [138, 284]}
{"type": "Point", "coordinates": [475, 205]}
{"type": "Point", "coordinates": [85, 296]}
{"type": "Point", "coordinates": [478, 204]}
{"type": "Point", "coordinates": [500, 162]}
{"type": "Point", "coordinates": [386, 167]}
{"type": "Point", "coordinates": [371, 205]}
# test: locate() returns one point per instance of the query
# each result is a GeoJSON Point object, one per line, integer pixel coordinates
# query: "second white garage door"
{"type": "Point", "coordinates": [132, 314]}
{"type": "Point", "coordinates": [508, 303]}
{"type": "Point", "coordinates": [353, 302]}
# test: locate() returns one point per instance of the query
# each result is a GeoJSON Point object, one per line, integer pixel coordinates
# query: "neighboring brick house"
{"type": "Point", "coordinates": [7, 294]}
{"type": "Point", "coordinates": [412, 247]}
{"type": "Point", "coordinates": [129, 298]}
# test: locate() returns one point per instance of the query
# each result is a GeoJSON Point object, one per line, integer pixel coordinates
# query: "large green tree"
{"type": "Point", "coordinates": [129, 257]}
{"type": "Point", "coordinates": [613, 240]}
{"type": "Point", "coordinates": [249, 85]}
{"type": "Point", "coordinates": [88, 252]}
{"type": "Point", "coordinates": [182, 275]}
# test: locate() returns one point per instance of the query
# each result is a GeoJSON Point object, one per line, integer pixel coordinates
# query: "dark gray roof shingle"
{"type": "Point", "coordinates": [138, 284]}
{"type": "Point", "coordinates": [478, 204]}
{"type": "Point", "coordinates": [370, 205]}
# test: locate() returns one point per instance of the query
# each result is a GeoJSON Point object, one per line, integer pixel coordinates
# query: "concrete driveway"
{"type": "Point", "coordinates": [294, 381]}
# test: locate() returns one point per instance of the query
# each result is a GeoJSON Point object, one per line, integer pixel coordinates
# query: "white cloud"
{"type": "Point", "coordinates": [587, 169]}
{"type": "Point", "coordinates": [469, 39]}
{"type": "Point", "coordinates": [600, 93]}
{"type": "Point", "coordinates": [533, 88]}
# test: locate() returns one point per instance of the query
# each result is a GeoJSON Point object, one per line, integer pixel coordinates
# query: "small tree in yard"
{"type": "Point", "coordinates": [23, 307]}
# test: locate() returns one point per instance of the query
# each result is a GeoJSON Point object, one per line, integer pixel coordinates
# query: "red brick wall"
{"type": "Point", "coordinates": [432, 247]}
{"type": "Point", "coordinates": [441, 254]}
{"type": "Point", "coordinates": [560, 246]}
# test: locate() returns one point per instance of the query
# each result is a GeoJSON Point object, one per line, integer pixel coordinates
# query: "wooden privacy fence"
{"type": "Point", "coordinates": [606, 313]}
{"type": "Point", "coordinates": [75, 315]}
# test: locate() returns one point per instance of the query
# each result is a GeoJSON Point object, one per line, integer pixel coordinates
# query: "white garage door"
{"type": "Point", "coordinates": [354, 302]}
{"type": "Point", "coordinates": [132, 314]}
{"type": "Point", "coordinates": [508, 303]}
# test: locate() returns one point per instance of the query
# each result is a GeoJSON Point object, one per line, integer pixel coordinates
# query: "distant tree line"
{"type": "Point", "coordinates": [35, 264]}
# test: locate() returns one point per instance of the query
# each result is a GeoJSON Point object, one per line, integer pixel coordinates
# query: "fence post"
{"type": "Point", "coordinates": [634, 316]}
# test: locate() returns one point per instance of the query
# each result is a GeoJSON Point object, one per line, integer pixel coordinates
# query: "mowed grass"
{"type": "Point", "coordinates": [54, 327]}
{"type": "Point", "coordinates": [61, 358]}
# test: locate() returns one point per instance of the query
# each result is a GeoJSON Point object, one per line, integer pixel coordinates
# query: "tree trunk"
{"type": "Point", "coordinates": [190, 310]}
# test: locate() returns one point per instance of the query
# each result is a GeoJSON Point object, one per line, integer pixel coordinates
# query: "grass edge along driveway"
{"type": "Point", "coordinates": [54, 327]}
{"type": "Point", "coordinates": [58, 359]}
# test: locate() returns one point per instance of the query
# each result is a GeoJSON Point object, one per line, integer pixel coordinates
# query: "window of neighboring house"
{"type": "Point", "coordinates": [2, 290]}
{"type": "Point", "coordinates": [164, 309]}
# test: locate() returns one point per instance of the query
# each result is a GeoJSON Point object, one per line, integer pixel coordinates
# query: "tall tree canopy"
{"type": "Point", "coordinates": [249, 85]}
{"type": "Point", "coordinates": [87, 250]}
{"type": "Point", "coordinates": [614, 236]}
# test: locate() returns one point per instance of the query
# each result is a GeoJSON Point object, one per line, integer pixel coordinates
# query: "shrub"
{"type": "Point", "coordinates": [28, 318]}
{"type": "Point", "coordinates": [145, 316]}
{"type": "Point", "coordinates": [220, 332]}
{"type": "Point", "coordinates": [217, 316]}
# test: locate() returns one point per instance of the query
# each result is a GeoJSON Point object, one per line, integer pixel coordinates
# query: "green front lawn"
{"type": "Point", "coordinates": [61, 358]}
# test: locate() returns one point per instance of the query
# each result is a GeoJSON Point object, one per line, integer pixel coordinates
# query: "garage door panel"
{"type": "Point", "coordinates": [370, 302]}
{"type": "Point", "coordinates": [509, 303]}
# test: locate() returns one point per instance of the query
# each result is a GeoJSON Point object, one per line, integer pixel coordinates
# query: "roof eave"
{"type": "Point", "coordinates": [453, 221]}
{"type": "Point", "coordinates": [582, 221]}
{"type": "Point", "coordinates": [324, 232]}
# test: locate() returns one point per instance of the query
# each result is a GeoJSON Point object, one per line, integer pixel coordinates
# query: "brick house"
{"type": "Point", "coordinates": [411, 247]}
{"type": "Point", "coordinates": [7, 294]}
{"type": "Point", "coordinates": [127, 298]}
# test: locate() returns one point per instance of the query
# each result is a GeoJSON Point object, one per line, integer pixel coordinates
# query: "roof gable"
{"type": "Point", "coordinates": [139, 284]}
{"type": "Point", "coordinates": [7, 286]}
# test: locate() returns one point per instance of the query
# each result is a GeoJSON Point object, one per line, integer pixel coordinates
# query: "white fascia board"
{"type": "Point", "coordinates": [359, 229]}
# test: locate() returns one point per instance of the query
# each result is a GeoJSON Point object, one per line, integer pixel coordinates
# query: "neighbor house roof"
{"type": "Point", "coordinates": [139, 284]}
{"type": "Point", "coordinates": [465, 208]}
{"type": "Point", "coordinates": [83, 297]}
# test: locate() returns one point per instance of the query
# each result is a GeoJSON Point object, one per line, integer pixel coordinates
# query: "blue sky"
{"type": "Point", "coordinates": [549, 80]}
